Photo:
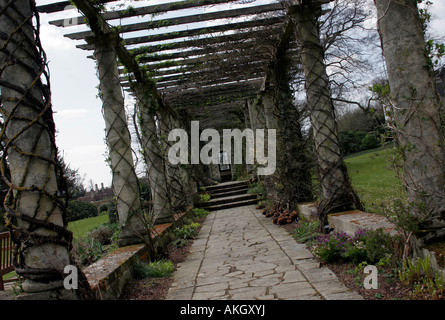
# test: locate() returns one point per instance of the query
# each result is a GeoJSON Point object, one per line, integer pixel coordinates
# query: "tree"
{"type": "Point", "coordinates": [72, 181]}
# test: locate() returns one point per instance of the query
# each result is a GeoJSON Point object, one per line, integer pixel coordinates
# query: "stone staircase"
{"type": "Point", "coordinates": [228, 195]}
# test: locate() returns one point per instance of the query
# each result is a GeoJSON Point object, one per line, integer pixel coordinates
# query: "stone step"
{"type": "Point", "coordinates": [350, 221]}
{"type": "Point", "coordinates": [225, 186]}
{"type": "Point", "coordinates": [231, 192]}
{"type": "Point", "coordinates": [228, 199]}
{"type": "Point", "coordinates": [230, 205]}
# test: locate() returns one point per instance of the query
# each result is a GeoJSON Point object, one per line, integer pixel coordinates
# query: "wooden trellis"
{"type": "Point", "coordinates": [194, 66]}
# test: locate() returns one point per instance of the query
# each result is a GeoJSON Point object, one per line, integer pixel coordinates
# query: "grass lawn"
{"type": "Point", "coordinates": [373, 179]}
{"type": "Point", "coordinates": [81, 227]}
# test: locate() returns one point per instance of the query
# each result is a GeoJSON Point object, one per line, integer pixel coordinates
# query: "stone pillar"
{"type": "Point", "coordinates": [417, 119]}
{"type": "Point", "coordinates": [177, 174]}
{"type": "Point", "coordinates": [337, 192]}
{"type": "Point", "coordinates": [125, 183]}
{"type": "Point", "coordinates": [292, 178]}
{"type": "Point", "coordinates": [153, 155]}
{"type": "Point", "coordinates": [29, 161]}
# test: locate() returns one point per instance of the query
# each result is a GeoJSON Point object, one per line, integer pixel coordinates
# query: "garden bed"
{"type": "Point", "coordinates": [416, 286]}
{"type": "Point", "coordinates": [157, 288]}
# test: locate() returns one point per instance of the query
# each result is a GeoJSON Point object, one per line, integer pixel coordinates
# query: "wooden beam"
{"type": "Point", "coordinates": [216, 90]}
{"type": "Point", "coordinates": [244, 36]}
{"type": "Point", "coordinates": [212, 73]}
{"type": "Point", "coordinates": [187, 19]}
{"type": "Point", "coordinates": [180, 103]}
{"type": "Point", "coordinates": [185, 83]}
{"type": "Point", "coordinates": [141, 11]}
{"type": "Point", "coordinates": [60, 6]}
{"type": "Point", "coordinates": [196, 32]}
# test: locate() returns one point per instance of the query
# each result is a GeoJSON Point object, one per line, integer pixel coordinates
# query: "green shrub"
{"type": "Point", "coordinates": [104, 233]}
{"type": "Point", "coordinates": [86, 251]}
{"type": "Point", "coordinates": [78, 210]}
{"type": "Point", "coordinates": [155, 269]}
{"type": "Point", "coordinates": [350, 141]}
{"type": "Point", "coordinates": [370, 141]}
{"type": "Point", "coordinates": [378, 244]}
{"type": "Point", "coordinates": [200, 212]}
{"type": "Point", "coordinates": [256, 188]}
{"type": "Point", "coordinates": [306, 231]}
{"type": "Point", "coordinates": [204, 197]}
{"type": "Point", "coordinates": [103, 208]}
{"type": "Point", "coordinates": [188, 231]}
{"type": "Point", "coordinates": [370, 246]}
{"type": "Point", "coordinates": [356, 141]}
{"type": "Point", "coordinates": [112, 212]}
{"type": "Point", "coordinates": [184, 233]}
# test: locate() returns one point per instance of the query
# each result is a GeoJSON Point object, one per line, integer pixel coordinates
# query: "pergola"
{"type": "Point", "coordinates": [207, 59]}
{"type": "Point", "coordinates": [227, 68]}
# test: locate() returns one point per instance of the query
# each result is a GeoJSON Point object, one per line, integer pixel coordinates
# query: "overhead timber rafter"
{"type": "Point", "coordinates": [192, 64]}
{"type": "Point", "coordinates": [234, 13]}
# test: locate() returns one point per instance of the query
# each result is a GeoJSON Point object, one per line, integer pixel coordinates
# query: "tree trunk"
{"type": "Point", "coordinates": [28, 138]}
{"type": "Point", "coordinates": [125, 182]}
{"type": "Point", "coordinates": [337, 192]}
{"type": "Point", "coordinates": [153, 156]}
{"type": "Point", "coordinates": [416, 109]}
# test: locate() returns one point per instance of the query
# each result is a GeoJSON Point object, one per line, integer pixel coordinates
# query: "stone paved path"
{"type": "Point", "coordinates": [241, 255]}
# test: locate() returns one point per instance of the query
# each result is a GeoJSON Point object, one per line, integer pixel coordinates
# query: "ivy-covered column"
{"type": "Point", "coordinates": [153, 155]}
{"type": "Point", "coordinates": [177, 174]}
{"type": "Point", "coordinates": [125, 182]}
{"type": "Point", "coordinates": [35, 211]}
{"type": "Point", "coordinates": [294, 165]}
{"type": "Point", "coordinates": [257, 120]}
{"type": "Point", "coordinates": [182, 171]}
{"type": "Point", "coordinates": [337, 192]}
{"type": "Point", "coordinates": [292, 180]}
{"type": "Point", "coordinates": [418, 115]}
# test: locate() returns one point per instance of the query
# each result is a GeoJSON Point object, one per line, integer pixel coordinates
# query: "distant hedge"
{"type": "Point", "coordinates": [356, 141]}
{"type": "Point", "coordinates": [78, 210]}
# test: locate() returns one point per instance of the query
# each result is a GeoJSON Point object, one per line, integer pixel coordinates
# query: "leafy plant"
{"type": "Point", "coordinates": [184, 233]}
{"type": "Point", "coordinates": [204, 197]}
{"type": "Point", "coordinates": [188, 231]}
{"type": "Point", "coordinates": [368, 246]}
{"type": "Point", "coordinates": [104, 233]}
{"type": "Point", "coordinates": [256, 188]}
{"type": "Point", "coordinates": [86, 251]}
{"type": "Point", "coordinates": [331, 247]}
{"type": "Point", "coordinates": [200, 212]}
{"type": "Point", "coordinates": [306, 231]}
{"type": "Point", "coordinates": [419, 275]}
{"type": "Point", "coordinates": [155, 269]}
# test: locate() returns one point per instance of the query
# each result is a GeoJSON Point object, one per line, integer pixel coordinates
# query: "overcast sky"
{"type": "Point", "coordinates": [78, 117]}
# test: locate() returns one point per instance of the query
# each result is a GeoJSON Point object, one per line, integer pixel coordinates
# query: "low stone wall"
{"type": "Point", "coordinates": [349, 221]}
{"type": "Point", "coordinates": [109, 275]}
